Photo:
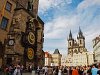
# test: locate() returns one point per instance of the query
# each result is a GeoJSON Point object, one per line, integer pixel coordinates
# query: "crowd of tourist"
{"type": "Point", "coordinates": [54, 70]}
{"type": "Point", "coordinates": [79, 70]}
{"type": "Point", "coordinates": [12, 70]}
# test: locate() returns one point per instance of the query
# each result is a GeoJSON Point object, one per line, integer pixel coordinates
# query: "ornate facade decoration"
{"type": "Point", "coordinates": [22, 39]}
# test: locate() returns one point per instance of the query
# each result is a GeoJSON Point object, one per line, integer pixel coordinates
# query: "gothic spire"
{"type": "Point", "coordinates": [70, 35]}
{"type": "Point", "coordinates": [80, 34]}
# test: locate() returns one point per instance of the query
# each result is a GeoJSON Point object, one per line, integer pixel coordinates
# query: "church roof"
{"type": "Point", "coordinates": [80, 34]}
{"type": "Point", "coordinates": [70, 35]}
{"type": "Point", "coordinates": [56, 51]}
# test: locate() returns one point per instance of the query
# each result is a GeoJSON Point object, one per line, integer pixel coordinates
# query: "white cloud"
{"type": "Point", "coordinates": [87, 3]}
{"type": "Point", "coordinates": [44, 5]}
{"type": "Point", "coordinates": [58, 27]}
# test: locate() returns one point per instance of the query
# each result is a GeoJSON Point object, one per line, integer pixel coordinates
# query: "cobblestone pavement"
{"type": "Point", "coordinates": [27, 73]}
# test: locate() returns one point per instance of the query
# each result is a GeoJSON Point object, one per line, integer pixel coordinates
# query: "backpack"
{"type": "Point", "coordinates": [98, 72]}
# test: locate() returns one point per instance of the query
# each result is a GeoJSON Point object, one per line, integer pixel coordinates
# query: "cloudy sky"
{"type": "Point", "coordinates": [61, 16]}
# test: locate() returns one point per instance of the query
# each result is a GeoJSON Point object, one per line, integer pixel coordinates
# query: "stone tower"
{"type": "Point", "coordinates": [70, 43]}
{"type": "Point", "coordinates": [81, 40]}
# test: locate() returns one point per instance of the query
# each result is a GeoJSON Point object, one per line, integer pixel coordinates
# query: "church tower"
{"type": "Point", "coordinates": [70, 43]}
{"type": "Point", "coordinates": [81, 40]}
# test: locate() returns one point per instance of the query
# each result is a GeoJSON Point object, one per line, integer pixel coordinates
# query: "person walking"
{"type": "Point", "coordinates": [45, 70]}
{"type": "Point", "coordinates": [75, 71]}
{"type": "Point", "coordinates": [65, 71]}
{"type": "Point", "coordinates": [50, 71]}
{"type": "Point", "coordinates": [56, 71]}
{"type": "Point", "coordinates": [98, 72]}
{"type": "Point", "coordinates": [89, 70]}
{"type": "Point", "coordinates": [38, 70]}
{"type": "Point", "coordinates": [94, 70]}
{"type": "Point", "coordinates": [60, 71]}
{"type": "Point", "coordinates": [17, 70]}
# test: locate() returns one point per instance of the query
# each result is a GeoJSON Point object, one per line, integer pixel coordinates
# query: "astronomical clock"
{"type": "Point", "coordinates": [30, 53]}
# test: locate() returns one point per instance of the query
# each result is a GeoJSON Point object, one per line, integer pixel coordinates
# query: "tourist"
{"type": "Point", "coordinates": [98, 72]}
{"type": "Point", "coordinates": [75, 71]}
{"type": "Point", "coordinates": [94, 70]}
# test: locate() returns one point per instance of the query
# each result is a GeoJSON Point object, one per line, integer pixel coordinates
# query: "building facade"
{"type": "Point", "coordinates": [90, 58]}
{"type": "Point", "coordinates": [63, 60]}
{"type": "Point", "coordinates": [96, 47]}
{"type": "Point", "coordinates": [48, 59]}
{"type": "Point", "coordinates": [56, 58]}
{"type": "Point", "coordinates": [22, 33]}
{"type": "Point", "coordinates": [77, 53]}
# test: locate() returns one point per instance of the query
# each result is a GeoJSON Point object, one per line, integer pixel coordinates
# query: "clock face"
{"type": "Point", "coordinates": [30, 53]}
{"type": "Point", "coordinates": [11, 42]}
{"type": "Point", "coordinates": [31, 38]}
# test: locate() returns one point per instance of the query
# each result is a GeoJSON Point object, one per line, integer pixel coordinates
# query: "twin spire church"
{"type": "Point", "coordinates": [77, 53]}
{"type": "Point", "coordinates": [76, 46]}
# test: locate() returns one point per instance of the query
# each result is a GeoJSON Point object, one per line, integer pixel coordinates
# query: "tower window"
{"type": "Point", "coordinates": [80, 41]}
{"type": "Point", "coordinates": [70, 43]}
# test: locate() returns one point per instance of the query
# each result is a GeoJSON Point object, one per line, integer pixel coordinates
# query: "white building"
{"type": "Point", "coordinates": [90, 58]}
{"type": "Point", "coordinates": [63, 60]}
{"type": "Point", "coordinates": [96, 46]}
{"type": "Point", "coordinates": [48, 59]}
{"type": "Point", "coordinates": [69, 60]}
{"type": "Point", "coordinates": [80, 59]}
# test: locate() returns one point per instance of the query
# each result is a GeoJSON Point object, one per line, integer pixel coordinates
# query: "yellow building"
{"type": "Point", "coordinates": [6, 14]}
{"type": "Point", "coordinates": [21, 31]}
{"type": "Point", "coordinates": [56, 58]}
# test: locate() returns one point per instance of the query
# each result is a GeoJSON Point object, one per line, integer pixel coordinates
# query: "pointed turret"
{"type": "Point", "coordinates": [70, 43]}
{"type": "Point", "coordinates": [56, 51]}
{"type": "Point", "coordinates": [70, 35]}
{"type": "Point", "coordinates": [81, 39]}
{"type": "Point", "coordinates": [80, 34]}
